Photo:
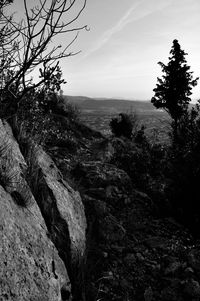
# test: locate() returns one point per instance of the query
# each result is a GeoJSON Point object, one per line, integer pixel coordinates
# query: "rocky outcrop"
{"type": "Point", "coordinates": [42, 226]}
{"type": "Point", "coordinates": [30, 266]}
{"type": "Point", "coordinates": [13, 167]}
{"type": "Point", "coordinates": [63, 212]}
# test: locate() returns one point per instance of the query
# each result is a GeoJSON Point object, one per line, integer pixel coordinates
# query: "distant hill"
{"type": "Point", "coordinates": [111, 105]}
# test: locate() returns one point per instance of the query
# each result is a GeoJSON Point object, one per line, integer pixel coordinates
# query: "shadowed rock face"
{"type": "Point", "coordinates": [30, 266]}
{"type": "Point", "coordinates": [68, 202]}
{"type": "Point", "coordinates": [64, 215]}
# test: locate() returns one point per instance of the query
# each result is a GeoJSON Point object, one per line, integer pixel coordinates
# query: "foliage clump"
{"type": "Point", "coordinates": [140, 158]}
{"type": "Point", "coordinates": [123, 125]}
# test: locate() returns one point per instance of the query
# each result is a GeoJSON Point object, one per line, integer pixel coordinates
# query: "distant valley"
{"type": "Point", "coordinates": [98, 112]}
{"type": "Point", "coordinates": [112, 106]}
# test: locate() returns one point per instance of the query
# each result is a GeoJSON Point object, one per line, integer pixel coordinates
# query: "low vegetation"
{"type": "Point", "coordinates": [123, 125]}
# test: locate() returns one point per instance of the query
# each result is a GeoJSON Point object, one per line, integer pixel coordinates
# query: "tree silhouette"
{"type": "Point", "coordinates": [172, 93]}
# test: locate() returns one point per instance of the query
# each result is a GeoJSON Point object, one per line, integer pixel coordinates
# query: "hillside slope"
{"type": "Point", "coordinates": [111, 106]}
{"type": "Point", "coordinates": [132, 251]}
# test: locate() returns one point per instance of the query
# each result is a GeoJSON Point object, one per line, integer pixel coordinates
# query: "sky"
{"type": "Point", "coordinates": [126, 40]}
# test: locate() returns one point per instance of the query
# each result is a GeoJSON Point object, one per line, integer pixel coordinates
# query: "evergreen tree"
{"type": "Point", "coordinates": [172, 93]}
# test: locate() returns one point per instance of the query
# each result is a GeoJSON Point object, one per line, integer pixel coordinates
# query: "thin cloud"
{"type": "Point", "coordinates": [140, 12]}
{"type": "Point", "coordinates": [116, 28]}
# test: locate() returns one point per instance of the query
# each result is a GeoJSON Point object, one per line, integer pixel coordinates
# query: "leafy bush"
{"type": "Point", "coordinates": [66, 109]}
{"type": "Point", "coordinates": [123, 125]}
{"type": "Point", "coordinates": [140, 159]}
{"type": "Point", "coordinates": [43, 117]}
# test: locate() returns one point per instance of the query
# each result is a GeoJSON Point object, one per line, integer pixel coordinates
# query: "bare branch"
{"type": "Point", "coordinates": [25, 45]}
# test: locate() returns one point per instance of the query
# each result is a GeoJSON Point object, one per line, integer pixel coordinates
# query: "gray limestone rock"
{"type": "Point", "coordinates": [30, 268]}
{"type": "Point", "coordinates": [13, 168]}
{"type": "Point", "coordinates": [62, 209]}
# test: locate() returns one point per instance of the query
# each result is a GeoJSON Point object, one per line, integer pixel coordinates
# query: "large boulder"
{"type": "Point", "coordinates": [43, 224]}
{"type": "Point", "coordinates": [30, 266]}
{"type": "Point", "coordinates": [63, 212]}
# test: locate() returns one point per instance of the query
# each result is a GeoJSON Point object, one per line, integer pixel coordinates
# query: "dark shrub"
{"type": "Point", "coordinates": [141, 160]}
{"type": "Point", "coordinates": [62, 107]}
{"type": "Point", "coordinates": [183, 170]}
{"type": "Point", "coordinates": [123, 125]}
{"type": "Point", "coordinates": [134, 160]}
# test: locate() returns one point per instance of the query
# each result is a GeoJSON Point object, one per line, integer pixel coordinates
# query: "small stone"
{"type": "Point", "coordinates": [192, 288]}
{"type": "Point", "coordinates": [130, 259]}
{"type": "Point", "coordinates": [173, 268]}
{"type": "Point", "coordinates": [124, 283]}
{"type": "Point", "coordinates": [105, 254]}
{"type": "Point", "coordinates": [194, 260]}
{"type": "Point", "coordinates": [168, 294]}
{"type": "Point", "coordinates": [148, 294]}
{"type": "Point", "coordinates": [140, 257]}
{"type": "Point", "coordinates": [156, 242]}
{"type": "Point", "coordinates": [189, 271]}
{"type": "Point", "coordinates": [156, 269]}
